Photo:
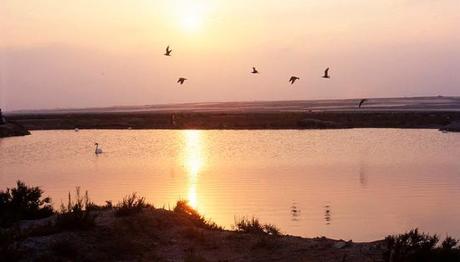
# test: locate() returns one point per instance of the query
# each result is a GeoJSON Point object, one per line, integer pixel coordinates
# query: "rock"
{"type": "Point", "coordinates": [452, 127]}
{"type": "Point", "coordinates": [340, 244]}
{"type": "Point", "coordinates": [12, 129]}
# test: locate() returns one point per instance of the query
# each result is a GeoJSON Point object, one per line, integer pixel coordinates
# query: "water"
{"type": "Point", "coordinates": [359, 184]}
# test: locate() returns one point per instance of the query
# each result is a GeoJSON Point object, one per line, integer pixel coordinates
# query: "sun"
{"type": "Point", "coordinates": [192, 23]}
{"type": "Point", "coordinates": [192, 14]}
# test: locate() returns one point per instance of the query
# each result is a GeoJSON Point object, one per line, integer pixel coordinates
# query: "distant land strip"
{"type": "Point", "coordinates": [421, 112]}
{"type": "Point", "coordinates": [210, 120]}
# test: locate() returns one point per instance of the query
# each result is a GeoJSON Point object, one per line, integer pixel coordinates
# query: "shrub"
{"type": "Point", "coordinates": [415, 246]}
{"type": "Point", "coordinates": [130, 205]}
{"type": "Point", "coordinates": [449, 243]}
{"type": "Point", "coordinates": [272, 230]}
{"type": "Point", "coordinates": [23, 202]}
{"type": "Point", "coordinates": [254, 226]}
{"type": "Point", "coordinates": [182, 207]}
{"type": "Point", "coordinates": [94, 207]}
{"type": "Point", "coordinates": [76, 216]}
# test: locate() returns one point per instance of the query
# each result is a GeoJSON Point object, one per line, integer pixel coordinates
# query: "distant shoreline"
{"type": "Point", "coordinates": [424, 103]}
{"type": "Point", "coordinates": [418, 112]}
{"type": "Point", "coordinates": [10, 129]}
{"type": "Point", "coordinates": [239, 120]}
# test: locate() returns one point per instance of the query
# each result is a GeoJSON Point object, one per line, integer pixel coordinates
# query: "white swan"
{"type": "Point", "coordinates": [98, 150]}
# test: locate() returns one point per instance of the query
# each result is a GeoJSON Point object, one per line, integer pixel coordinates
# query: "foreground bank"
{"type": "Point", "coordinates": [134, 230]}
{"type": "Point", "coordinates": [163, 235]}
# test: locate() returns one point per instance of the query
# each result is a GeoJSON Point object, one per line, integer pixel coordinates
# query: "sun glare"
{"type": "Point", "coordinates": [193, 162]}
{"type": "Point", "coordinates": [192, 15]}
{"type": "Point", "coordinates": [192, 22]}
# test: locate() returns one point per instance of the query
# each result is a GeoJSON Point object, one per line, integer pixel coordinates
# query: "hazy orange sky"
{"type": "Point", "coordinates": [86, 53]}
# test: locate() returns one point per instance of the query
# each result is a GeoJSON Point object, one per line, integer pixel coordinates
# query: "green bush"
{"type": "Point", "coordinates": [23, 202]}
{"type": "Point", "coordinates": [76, 215]}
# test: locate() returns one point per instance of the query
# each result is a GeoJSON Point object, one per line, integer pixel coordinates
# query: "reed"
{"type": "Point", "coordinates": [76, 215]}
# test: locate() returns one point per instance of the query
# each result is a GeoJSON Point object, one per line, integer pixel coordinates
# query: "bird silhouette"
{"type": "Point", "coordinates": [361, 102]}
{"type": "Point", "coordinates": [326, 73]}
{"type": "Point", "coordinates": [98, 149]}
{"type": "Point", "coordinates": [181, 80]}
{"type": "Point", "coordinates": [254, 70]}
{"type": "Point", "coordinates": [168, 51]}
{"type": "Point", "coordinates": [293, 79]}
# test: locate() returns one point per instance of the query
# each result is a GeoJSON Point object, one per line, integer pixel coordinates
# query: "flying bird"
{"type": "Point", "coordinates": [168, 51]}
{"type": "Point", "coordinates": [254, 70]}
{"type": "Point", "coordinates": [293, 79]}
{"type": "Point", "coordinates": [326, 73]}
{"type": "Point", "coordinates": [361, 102]}
{"type": "Point", "coordinates": [181, 80]}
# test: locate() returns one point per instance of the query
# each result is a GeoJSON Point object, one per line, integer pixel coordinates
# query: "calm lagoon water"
{"type": "Point", "coordinates": [359, 184]}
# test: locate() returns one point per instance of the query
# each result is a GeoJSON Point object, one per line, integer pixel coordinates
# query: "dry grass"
{"type": "Point", "coordinates": [76, 216]}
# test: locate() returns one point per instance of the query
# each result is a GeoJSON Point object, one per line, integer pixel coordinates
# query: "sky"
{"type": "Point", "coordinates": [87, 53]}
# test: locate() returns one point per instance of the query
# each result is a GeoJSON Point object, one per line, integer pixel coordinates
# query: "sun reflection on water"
{"type": "Point", "coordinates": [193, 159]}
